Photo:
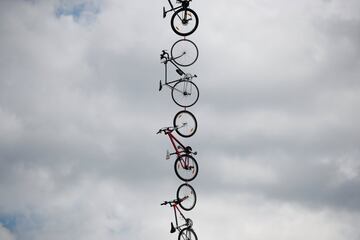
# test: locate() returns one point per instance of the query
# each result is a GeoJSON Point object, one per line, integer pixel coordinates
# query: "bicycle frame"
{"type": "Point", "coordinates": [185, 76]}
{"type": "Point", "coordinates": [167, 58]}
{"type": "Point", "coordinates": [173, 141]}
{"type": "Point", "coordinates": [179, 227]}
{"type": "Point", "coordinates": [184, 4]}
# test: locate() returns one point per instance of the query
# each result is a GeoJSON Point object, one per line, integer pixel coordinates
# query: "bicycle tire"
{"type": "Point", "coordinates": [180, 99]}
{"type": "Point", "coordinates": [187, 49]}
{"type": "Point", "coordinates": [176, 26]}
{"type": "Point", "coordinates": [187, 234]}
{"type": "Point", "coordinates": [186, 190]}
{"type": "Point", "coordinates": [186, 168]}
{"type": "Point", "coordinates": [186, 130]}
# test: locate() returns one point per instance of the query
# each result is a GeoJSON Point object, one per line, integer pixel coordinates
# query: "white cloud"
{"type": "Point", "coordinates": [231, 216]}
{"type": "Point", "coordinates": [79, 109]}
{"type": "Point", "coordinates": [5, 234]}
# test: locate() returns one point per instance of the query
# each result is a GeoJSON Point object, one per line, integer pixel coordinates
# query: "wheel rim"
{"type": "Point", "coordinates": [184, 52]}
{"type": "Point", "coordinates": [185, 93]}
{"type": "Point", "coordinates": [187, 193]}
{"type": "Point", "coordinates": [184, 24]}
{"type": "Point", "coordinates": [186, 124]}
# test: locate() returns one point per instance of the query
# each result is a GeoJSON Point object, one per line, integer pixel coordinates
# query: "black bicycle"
{"type": "Point", "coordinates": [184, 91]}
{"type": "Point", "coordinates": [184, 20]}
{"type": "Point", "coordinates": [185, 230]}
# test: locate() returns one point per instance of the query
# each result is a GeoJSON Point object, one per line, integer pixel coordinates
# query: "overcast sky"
{"type": "Point", "coordinates": [278, 135]}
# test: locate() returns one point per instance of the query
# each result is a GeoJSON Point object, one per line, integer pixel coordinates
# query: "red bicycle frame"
{"type": "Point", "coordinates": [173, 141]}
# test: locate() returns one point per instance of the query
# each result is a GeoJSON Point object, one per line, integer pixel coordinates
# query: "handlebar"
{"type": "Point", "coordinates": [166, 130]}
{"type": "Point", "coordinates": [171, 203]}
{"type": "Point", "coordinates": [170, 129]}
{"type": "Point", "coordinates": [164, 54]}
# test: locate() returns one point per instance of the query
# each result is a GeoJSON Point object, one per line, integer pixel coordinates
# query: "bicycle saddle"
{"type": "Point", "coordinates": [172, 230]}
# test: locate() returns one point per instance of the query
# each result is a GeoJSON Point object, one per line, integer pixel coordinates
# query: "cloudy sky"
{"type": "Point", "coordinates": [278, 136]}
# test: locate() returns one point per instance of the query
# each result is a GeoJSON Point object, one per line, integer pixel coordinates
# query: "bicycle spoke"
{"type": "Point", "coordinates": [187, 234]}
{"type": "Point", "coordinates": [180, 18]}
{"type": "Point", "coordinates": [177, 90]}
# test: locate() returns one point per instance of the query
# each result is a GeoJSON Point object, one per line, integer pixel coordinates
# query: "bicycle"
{"type": "Point", "coordinates": [184, 92]}
{"type": "Point", "coordinates": [185, 230]}
{"type": "Point", "coordinates": [184, 20]}
{"type": "Point", "coordinates": [185, 166]}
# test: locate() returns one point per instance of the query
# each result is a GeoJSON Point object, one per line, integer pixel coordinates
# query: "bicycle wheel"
{"type": "Point", "coordinates": [184, 21]}
{"type": "Point", "coordinates": [185, 123]}
{"type": "Point", "coordinates": [187, 234]}
{"type": "Point", "coordinates": [185, 93]}
{"type": "Point", "coordinates": [184, 52]}
{"type": "Point", "coordinates": [186, 168]}
{"type": "Point", "coordinates": [187, 196]}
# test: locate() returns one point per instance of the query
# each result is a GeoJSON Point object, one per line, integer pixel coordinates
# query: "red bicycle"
{"type": "Point", "coordinates": [186, 167]}
{"type": "Point", "coordinates": [185, 230]}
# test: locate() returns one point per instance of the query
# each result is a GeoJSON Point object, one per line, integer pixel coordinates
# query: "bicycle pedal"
{"type": "Point", "coordinates": [160, 86]}
{"type": "Point", "coordinates": [167, 155]}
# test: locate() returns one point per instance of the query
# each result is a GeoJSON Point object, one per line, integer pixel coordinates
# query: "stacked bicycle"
{"type": "Point", "coordinates": [185, 93]}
